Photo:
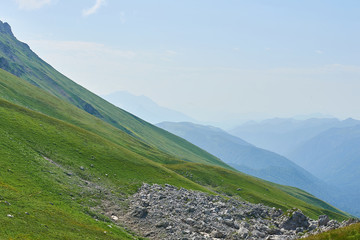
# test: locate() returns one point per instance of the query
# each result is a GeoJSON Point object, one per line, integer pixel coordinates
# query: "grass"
{"type": "Point", "coordinates": [351, 232]}
{"type": "Point", "coordinates": [24, 94]}
{"type": "Point", "coordinates": [45, 139]}
{"type": "Point", "coordinates": [62, 206]}
{"type": "Point", "coordinates": [305, 196]}
{"type": "Point", "coordinates": [20, 92]}
{"type": "Point", "coordinates": [57, 203]}
{"type": "Point", "coordinates": [24, 63]}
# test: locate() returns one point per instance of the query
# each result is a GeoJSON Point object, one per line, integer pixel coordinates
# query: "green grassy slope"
{"type": "Point", "coordinates": [61, 206]}
{"type": "Point", "coordinates": [22, 93]}
{"type": "Point", "coordinates": [122, 160]}
{"type": "Point", "coordinates": [16, 57]}
{"type": "Point", "coordinates": [305, 196]}
{"type": "Point", "coordinates": [351, 232]}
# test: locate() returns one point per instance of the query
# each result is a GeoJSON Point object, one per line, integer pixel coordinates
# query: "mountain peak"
{"type": "Point", "coordinates": [5, 28]}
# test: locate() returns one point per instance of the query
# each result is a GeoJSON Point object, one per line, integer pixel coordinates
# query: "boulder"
{"type": "Point", "coordinates": [243, 232]}
{"type": "Point", "coordinates": [140, 212]}
{"type": "Point", "coordinates": [294, 220]}
{"type": "Point", "coordinates": [323, 220]}
{"type": "Point", "coordinates": [218, 234]}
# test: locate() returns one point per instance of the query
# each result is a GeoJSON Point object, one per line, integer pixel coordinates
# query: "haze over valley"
{"type": "Point", "coordinates": [179, 120]}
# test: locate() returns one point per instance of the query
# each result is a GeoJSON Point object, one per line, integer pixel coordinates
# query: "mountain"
{"type": "Point", "coordinates": [145, 108]}
{"type": "Point", "coordinates": [327, 148]}
{"type": "Point", "coordinates": [334, 156]}
{"type": "Point", "coordinates": [65, 170]}
{"type": "Point", "coordinates": [283, 135]}
{"type": "Point", "coordinates": [246, 157]}
{"type": "Point", "coordinates": [56, 178]}
{"type": "Point", "coordinates": [17, 58]}
{"type": "Point", "coordinates": [61, 181]}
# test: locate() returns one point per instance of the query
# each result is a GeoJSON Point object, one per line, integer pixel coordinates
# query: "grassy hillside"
{"type": "Point", "coordinates": [22, 93]}
{"type": "Point", "coordinates": [42, 160]}
{"type": "Point", "coordinates": [25, 94]}
{"type": "Point", "coordinates": [17, 58]}
{"type": "Point", "coordinates": [351, 232]}
{"type": "Point", "coordinates": [64, 165]}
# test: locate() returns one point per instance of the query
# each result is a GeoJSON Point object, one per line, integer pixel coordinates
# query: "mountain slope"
{"type": "Point", "coordinates": [334, 156]}
{"type": "Point", "coordinates": [76, 168]}
{"type": "Point", "coordinates": [20, 92]}
{"type": "Point", "coordinates": [43, 187]}
{"type": "Point", "coordinates": [145, 108]}
{"type": "Point", "coordinates": [246, 157]}
{"type": "Point", "coordinates": [58, 178]}
{"type": "Point", "coordinates": [335, 152]}
{"type": "Point", "coordinates": [17, 58]}
{"type": "Point", "coordinates": [283, 135]}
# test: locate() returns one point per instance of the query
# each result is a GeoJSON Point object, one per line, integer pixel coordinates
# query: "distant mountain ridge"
{"type": "Point", "coordinates": [283, 135]}
{"type": "Point", "coordinates": [70, 164]}
{"type": "Point", "coordinates": [68, 170]}
{"type": "Point", "coordinates": [334, 156]}
{"type": "Point", "coordinates": [17, 58]}
{"type": "Point", "coordinates": [145, 108]}
{"type": "Point", "coordinates": [246, 157]}
{"type": "Point", "coordinates": [327, 148]}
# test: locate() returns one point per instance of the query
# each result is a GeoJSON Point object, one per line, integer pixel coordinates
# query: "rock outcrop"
{"type": "Point", "coordinates": [166, 212]}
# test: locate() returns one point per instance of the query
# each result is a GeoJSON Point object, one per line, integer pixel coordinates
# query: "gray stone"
{"type": "Point", "coordinates": [295, 220]}
{"type": "Point", "coordinates": [190, 221]}
{"type": "Point", "coordinates": [171, 213]}
{"type": "Point", "coordinates": [243, 232]}
{"type": "Point", "coordinates": [312, 227]}
{"type": "Point", "coordinates": [258, 234]}
{"type": "Point", "coordinates": [140, 212]}
{"type": "Point", "coordinates": [323, 220]}
{"type": "Point", "coordinates": [218, 234]}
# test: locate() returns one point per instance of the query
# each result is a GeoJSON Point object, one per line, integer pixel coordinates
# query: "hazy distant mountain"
{"type": "Point", "coordinates": [283, 135]}
{"type": "Point", "coordinates": [51, 128]}
{"type": "Point", "coordinates": [334, 156]}
{"type": "Point", "coordinates": [270, 166]}
{"type": "Point", "coordinates": [145, 108]}
{"type": "Point", "coordinates": [244, 156]}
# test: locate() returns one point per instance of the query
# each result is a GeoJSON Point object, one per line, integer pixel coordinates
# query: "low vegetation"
{"type": "Point", "coordinates": [351, 232]}
{"type": "Point", "coordinates": [58, 173]}
{"type": "Point", "coordinates": [62, 161]}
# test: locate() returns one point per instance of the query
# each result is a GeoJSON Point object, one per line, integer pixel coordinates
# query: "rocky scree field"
{"type": "Point", "coordinates": [167, 212]}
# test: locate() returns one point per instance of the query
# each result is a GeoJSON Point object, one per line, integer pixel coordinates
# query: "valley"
{"type": "Point", "coordinates": [75, 165]}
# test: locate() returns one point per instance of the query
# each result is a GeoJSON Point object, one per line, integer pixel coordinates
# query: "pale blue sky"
{"type": "Point", "coordinates": [212, 60]}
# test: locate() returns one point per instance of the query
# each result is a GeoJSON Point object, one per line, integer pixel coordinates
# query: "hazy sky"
{"type": "Point", "coordinates": [212, 60]}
